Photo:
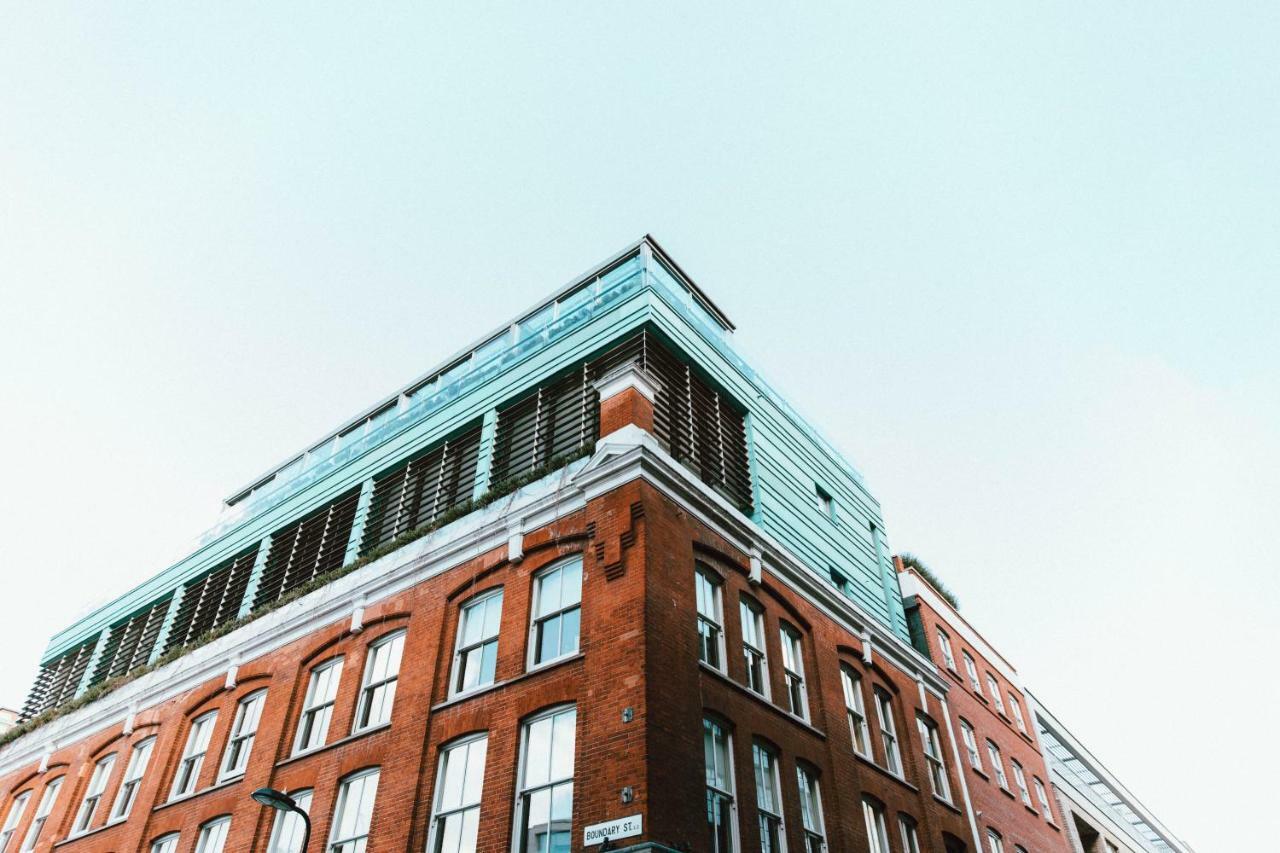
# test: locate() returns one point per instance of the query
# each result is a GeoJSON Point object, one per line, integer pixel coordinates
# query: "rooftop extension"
{"type": "Point", "coordinates": [513, 407]}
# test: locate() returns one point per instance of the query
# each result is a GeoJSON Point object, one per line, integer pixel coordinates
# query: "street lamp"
{"type": "Point", "coordinates": [282, 802]}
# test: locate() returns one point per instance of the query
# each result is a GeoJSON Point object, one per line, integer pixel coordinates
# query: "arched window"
{"type": "Point", "coordinates": [459, 785]}
{"type": "Point", "coordinates": [995, 843]}
{"type": "Point", "coordinates": [188, 775]}
{"type": "Point", "coordinates": [751, 615]}
{"type": "Point", "coordinates": [544, 797]}
{"type": "Point", "coordinates": [93, 794]}
{"type": "Point", "coordinates": [317, 705]}
{"type": "Point", "coordinates": [764, 761]}
{"type": "Point", "coordinates": [139, 758]}
{"type": "Point", "coordinates": [793, 669]}
{"type": "Point", "coordinates": [557, 607]}
{"type": "Point", "coordinates": [15, 817]}
{"type": "Point", "coordinates": [165, 844]}
{"type": "Point", "coordinates": [213, 835]}
{"type": "Point", "coordinates": [288, 827]}
{"type": "Point", "coordinates": [378, 685]}
{"type": "Point", "coordinates": [244, 728]}
{"type": "Point", "coordinates": [353, 814]}
{"type": "Point", "coordinates": [721, 823]}
{"type": "Point", "coordinates": [855, 708]}
{"type": "Point", "coordinates": [707, 589]}
{"type": "Point", "coordinates": [47, 800]}
{"type": "Point", "coordinates": [475, 657]}
{"type": "Point", "coordinates": [877, 832]}
{"type": "Point", "coordinates": [811, 819]}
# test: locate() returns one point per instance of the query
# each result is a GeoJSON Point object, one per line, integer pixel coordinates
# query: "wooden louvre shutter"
{"type": "Point", "coordinates": [131, 641]}
{"type": "Point", "coordinates": [59, 680]}
{"type": "Point", "coordinates": [308, 548]}
{"type": "Point", "coordinates": [419, 491]}
{"type": "Point", "coordinates": [701, 425]}
{"type": "Point", "coordinates": [211, 599]}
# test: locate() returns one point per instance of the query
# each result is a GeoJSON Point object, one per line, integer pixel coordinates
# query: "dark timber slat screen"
{"type": "Point", "coordinates": [307, 548]}
{"type": "Point", "coordinates": [701, 426]}
{"type": "Point", "coordinates": [130, 642]}
{"type": "Point", "coordinates": [212, 599]}
{"type": "Point", "coordinates": [419, 491]}
{"type": "Point", "coordinates": [59, 680]}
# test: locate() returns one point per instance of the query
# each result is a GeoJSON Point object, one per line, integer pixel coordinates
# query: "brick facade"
{"type": "Point", "coordinates": [1000, 808]}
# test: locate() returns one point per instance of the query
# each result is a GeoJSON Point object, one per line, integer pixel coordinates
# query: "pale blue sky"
{"type": "Point", "coordinates": [1019, 261]}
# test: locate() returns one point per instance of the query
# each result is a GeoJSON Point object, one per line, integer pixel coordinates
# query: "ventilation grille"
{"type": "Point", "coordinates": [421, 490]}
{"type": "Point", "coordinates": [701, 426]}
{"type": "Point", "coordinates": [307, 549]}
{"type": "Point", "coordinates": [211, 600]}
{"type": "Point", "coordinates": [59, 680]}
{"type": "Point", "coordinates": [129, 643]}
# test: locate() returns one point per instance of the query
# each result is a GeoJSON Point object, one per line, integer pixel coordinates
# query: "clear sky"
{"type": "Point", "coordinates": [1019, 261]}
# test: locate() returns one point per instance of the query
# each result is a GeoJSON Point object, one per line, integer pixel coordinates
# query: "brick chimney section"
{"type": "Point", "coordinates": [627, 394]}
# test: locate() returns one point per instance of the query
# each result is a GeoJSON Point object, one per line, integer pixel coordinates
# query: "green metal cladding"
{"type": "Point", "coordinates": [640, 287]}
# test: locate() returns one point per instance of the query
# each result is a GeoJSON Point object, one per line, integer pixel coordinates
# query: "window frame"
{"type": "Point", "coordinates": [1020, 779]}
{"type": "Point", "coordinates": [461, 649]}
{"type": "Point", "coordinates": [711, 775]}
{"type": "Point", "coordinates": [524, 791]}
{"type": "Point", "coordinates": [341, 803]}
{"type": "Point", "coordinates": [969, 737]}
{"type": "Point", "coordinates": [874, 823]}
{"type": "Point", "coordinates": [310, 709]}
{"type": "Point", "coordinates": [888, 731]}
{"type": "Point", "coordinates": [44, 808]}
{"type": "Point", "coordinates": [825, 503]}
{"type": "Point", "coordinates": [192, 760]}
{"type": "Point", "coordinates": [813, 824]}
{"type": "Point", "coordinates": [971, 670]}
{"type": "Point", "coordinates": [931, 746]}
{"type": "Point", "coordinates": [203, 844]}
{"type": "Point", "coordinates": [993, 685]}
{"type": "Point", "coordinates": [303, 797]}
{"type": "Point", "coordinates": [909, 829]}
{"type": "Point", "coordinates": [768, 781]}
{"type": "Point", "coordinates": [536, 622]}
{"type": "Point", "coordinates": [995, 841]}
{"type": "Point", "coordinates": [95, 790]}
{"type": "Point", "coordinates": [793, 670]}
{"type": "Point", "coordinates": [715, 621]}
{"type": "Point", "coordinates": [944, 645]}
{"type": "Point", "coordinates": [751, 612]}
{"type": "Point", "coordinates": [1016, 707]}
{"type": "Point", "coordinates": [17, 810]}
{"type": "Point", "coordinates": [237, 737]}
{"type": "Point", "coordinates": [997, 760]}
{"type": "Point", "coordinates": [1042, 795]}
{"type": "Point", "coordinates": [438, 814]}
{"type": "Point", "coordinates": [387, 683]}
{"type": "Point", "coordinates": [167, 843]}
{"type": "Point", "coordinates": [856, 713]}
{"type": "Point", "coordinates": [131, 781]}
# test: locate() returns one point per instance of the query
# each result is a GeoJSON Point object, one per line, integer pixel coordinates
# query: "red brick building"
{"type": "Point", "coordinates": [1005, 772]}
{"type": "Point", "coordinates": [591, 584]}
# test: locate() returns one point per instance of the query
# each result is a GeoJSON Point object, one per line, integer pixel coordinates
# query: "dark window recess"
{"type": "Point", "coordinates": [211, 600]}
{"type": "Point", "coordinates": [58, 680]}
{"type": "Point", "coordinates": [419, 491]}
{"type": "Point", "coordinates": [307, 549]}
{"type": "Point", "coordinates": [130, 642]}
{"type": "Point", "coordinates": [700, 425]}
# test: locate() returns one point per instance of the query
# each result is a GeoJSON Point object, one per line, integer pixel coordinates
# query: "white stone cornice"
{"type": "Point", "coordinates": [629, 375]}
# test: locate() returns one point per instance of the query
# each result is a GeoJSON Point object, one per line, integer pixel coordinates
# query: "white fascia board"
{"type": "Point", "coordinates": [914, 586]}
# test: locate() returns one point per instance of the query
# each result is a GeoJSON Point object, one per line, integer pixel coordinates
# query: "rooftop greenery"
{"type": "Point", "coordinates": [911, 561]}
